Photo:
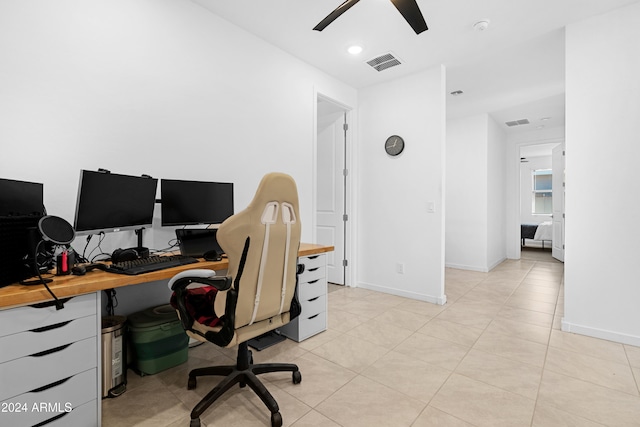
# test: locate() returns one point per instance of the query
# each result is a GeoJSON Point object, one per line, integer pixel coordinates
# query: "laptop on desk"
{"type": "Point", "coordinates": [197, 242]}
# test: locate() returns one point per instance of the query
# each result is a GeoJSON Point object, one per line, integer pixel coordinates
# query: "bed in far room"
{"type": "Point", "coordinates": [541, 232]}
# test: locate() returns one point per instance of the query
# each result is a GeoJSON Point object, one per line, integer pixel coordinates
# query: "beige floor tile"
{"type": "Point", "coordinates": [512, 348]}
{"type": "Point", "coordinates": [319, 339]}
{"type": "Point", "coordinates": [633, 355]}
{"type": "Point", "coordinates": [404, 319]}
{"type": "Point", "coordinates": [540, 283]}
{"type": "Point", "coordinates": [365, 403]}
{"type": "Point", "coordinates": [149, 404]}
{"type": "Point", "coordinates": [379, 332]}
{"type": "Point", "coordinates": [548, 416]}
{"type": "Point", "coordinates": [413, 377]}
{"type": "Point", "coordinates": [314, 419]}
{"type": "Point", "coordinates": [432, 417]}
{"type": "Point", "coordinates": [595, 347]}
{"type": "Point", "coordinates": [526, 316]}
{"type": "Point", "coordinates": [433, 350]}
{"type": "Point", "coordinates": [320, 379]}
{"type": "Point", "coordinates": [421, 307]}
{"type": "Point", "coordinates": [365, 309]}
{"type": "Point", "coordinates": [241, 407]}
{"type": "Point", "coordinates": [483, 404]}
{"type": "Point", "coordinates": [614, 375]}
{"type": "Point", "coordinates": [450, 331]}
{"type": "Point", "coordinates": [527, 303]}
{"type": "Point", "coordinates": [464, 315]}
{"type": "Point", "coordinates": [343, 321]}
{"type": "Point", "coordinates": [527, 331]}
{"type": "Point", "coordinates": [516, 377]}
{"type": "Point", "coordinates": [588, 400]}
{"type": "Point", "coordinates": [526, 292]}
{"type": "Point", "coordinates": [350, 352]}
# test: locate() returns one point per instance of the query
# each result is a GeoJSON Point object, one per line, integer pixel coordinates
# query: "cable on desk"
{"type": "Point", "coordinates": [112, 301]}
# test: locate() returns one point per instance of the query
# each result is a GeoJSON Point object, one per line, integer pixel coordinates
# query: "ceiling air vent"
{"type": "Point", "coordinates": [517, 122]}
{"type": "Point", "coordinates": [383, 62]}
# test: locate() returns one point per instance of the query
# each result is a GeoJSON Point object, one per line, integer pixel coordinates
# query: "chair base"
{"type": "Point", "coordinates": [243, 373]}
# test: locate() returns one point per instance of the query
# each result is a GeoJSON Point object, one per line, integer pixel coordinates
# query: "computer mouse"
{"type": "Point", "coordinates": [78, 270]}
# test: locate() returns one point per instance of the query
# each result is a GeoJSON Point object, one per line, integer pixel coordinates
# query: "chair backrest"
{"type": "Point", "coordinates": [261, 243]}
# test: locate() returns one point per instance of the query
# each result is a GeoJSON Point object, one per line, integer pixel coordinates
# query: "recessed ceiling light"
{"type": "Point", "coordinates": [457, 93]}
{"type": "Point", "coordinates": [355, 50]}
{"type": "Point", "coordinates": [544, 119]}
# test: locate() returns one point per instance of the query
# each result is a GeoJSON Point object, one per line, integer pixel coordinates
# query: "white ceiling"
{"type": "Point", "coordinates": [512, 70]}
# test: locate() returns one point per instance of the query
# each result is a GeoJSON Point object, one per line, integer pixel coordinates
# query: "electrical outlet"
{"type": "Point", "coordinates": [400, 268]}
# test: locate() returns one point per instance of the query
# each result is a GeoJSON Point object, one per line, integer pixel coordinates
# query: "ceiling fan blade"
{"type": "Point", "coordinates": [335, 14]}
{"type": "Point", "coordinates": [411, 12]}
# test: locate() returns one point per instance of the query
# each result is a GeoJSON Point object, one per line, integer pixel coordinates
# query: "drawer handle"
{"type": "Point", "coordinates": [50, 351]}
{"type": "Point", "coordinates": [52, 419]}
{"type": "Point", "coordinates": [48, 386]}
{"type": "Point", "coordinates": [313, 281]}
{"type": "Point", "coordinates": [300, 269]}
{"type": "Point", "coordinates": [313, 256]}
{"type": "Point", "coordinates": [50, 327]}
{"type": "Point", "coordinates": [314, 316]}
{"type": "Point", "coordinates": [314, 269]}
{"type": "Point", "coordinates": [313, 299]}
{"type": "Point", "coordinates": [50, 303]}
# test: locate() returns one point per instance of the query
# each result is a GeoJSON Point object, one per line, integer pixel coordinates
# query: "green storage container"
{"type": "Point", "coordinates": [158, 340]}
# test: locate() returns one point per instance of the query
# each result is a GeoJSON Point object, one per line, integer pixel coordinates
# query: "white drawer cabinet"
{"type": "Point", "coordinates": [312, 294]}
{"type": "Point", "coordinates": [49, 363]}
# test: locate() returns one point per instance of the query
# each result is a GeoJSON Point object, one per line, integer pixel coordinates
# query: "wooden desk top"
{"type": "Point", "coordinates": [97, 280]}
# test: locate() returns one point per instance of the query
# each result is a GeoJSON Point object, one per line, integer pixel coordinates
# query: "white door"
{"type": "Point", "coordinates": [330, 203]}
{"type": "Point", "coordinates": [557, 165]}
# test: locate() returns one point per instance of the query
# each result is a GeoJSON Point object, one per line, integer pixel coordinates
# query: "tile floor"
{"type": "Point", "coordinates": [492, 356]}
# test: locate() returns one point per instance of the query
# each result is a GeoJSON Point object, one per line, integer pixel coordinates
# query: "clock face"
{"type": "Point", "coordinates": [394, 145]}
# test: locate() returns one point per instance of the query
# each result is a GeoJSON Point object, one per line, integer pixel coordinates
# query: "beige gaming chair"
{"type": "Point", "coordinates": [258, 293]}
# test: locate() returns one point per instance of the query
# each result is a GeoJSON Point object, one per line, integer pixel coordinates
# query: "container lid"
{"type": "Point", "coordinates": [153, 316]}
{"type": "Point", "coordinates": [112, 323]}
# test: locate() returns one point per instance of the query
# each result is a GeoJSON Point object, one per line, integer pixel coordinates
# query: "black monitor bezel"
{"type": "Point", "coordinates": [147, 222]}
{"type": "Point", "coordinates": [205, 219]}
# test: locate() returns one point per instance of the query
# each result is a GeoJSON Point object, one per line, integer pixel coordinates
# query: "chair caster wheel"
{"type": "Point", "coordinates": [191, 384]}
{"type": "Point", "coordinates": [297, 377]}
{"type": "Point", "coordinates": [276, 419]}
{"type": "Point", "coordinates": [195, 422]}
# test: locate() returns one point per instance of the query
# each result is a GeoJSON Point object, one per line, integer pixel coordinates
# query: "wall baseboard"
{"type": "Point", "coordinates": [441, 300]}
{"type": "Point", "coordinates": [467, 267]}
{"type": "Point", "coordinates": [600, 333]}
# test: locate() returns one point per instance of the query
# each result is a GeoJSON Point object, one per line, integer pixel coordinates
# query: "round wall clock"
{"type": "Point", "coordinates": [394, 145]}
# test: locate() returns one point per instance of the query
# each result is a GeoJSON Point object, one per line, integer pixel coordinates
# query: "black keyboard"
{"type": "Point", "coordinates": [152, 263]}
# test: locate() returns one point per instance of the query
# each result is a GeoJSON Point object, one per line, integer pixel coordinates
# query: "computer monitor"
{"type": "Point", "coordinates": [110, 202]}
{"type": "Point", "coordinates": [195, 202]}
{"type": "Point", "coordinates": [20, 198]}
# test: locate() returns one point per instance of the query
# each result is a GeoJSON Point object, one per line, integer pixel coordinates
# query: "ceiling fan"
{"type": "Point", "coordinates": [408, 8]}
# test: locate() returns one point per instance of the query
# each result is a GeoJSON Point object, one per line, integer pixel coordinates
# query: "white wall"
{"type": "Point", "coordinates": [161, 87]}
{"type": "Point", "coordinates": [475, 228]}
{"type": "Point", "coordinates": [496, 194]}
{"type": "Point", "coordinates": [602, 253]}
{"type": "Point", "coordinates": [466, 196]}
{"type": "Point", "coordinates": [393, 193]}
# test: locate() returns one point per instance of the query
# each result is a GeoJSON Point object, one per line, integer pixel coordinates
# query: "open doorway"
{"type": "Point", "coordinates": [542, 201]}
{"type": "Point", "coordinates": [332, 176]}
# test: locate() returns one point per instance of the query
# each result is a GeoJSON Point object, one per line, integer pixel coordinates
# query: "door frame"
{"type": "Point", "coordinates": [350, 235]}
{"type": "Point", "coordinates": [513, 193]}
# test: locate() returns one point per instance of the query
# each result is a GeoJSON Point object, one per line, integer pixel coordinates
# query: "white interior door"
{"type": "Point", "coordinates": [557, 162]}
{"type": "Point", "coordinates": [330, 203]}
